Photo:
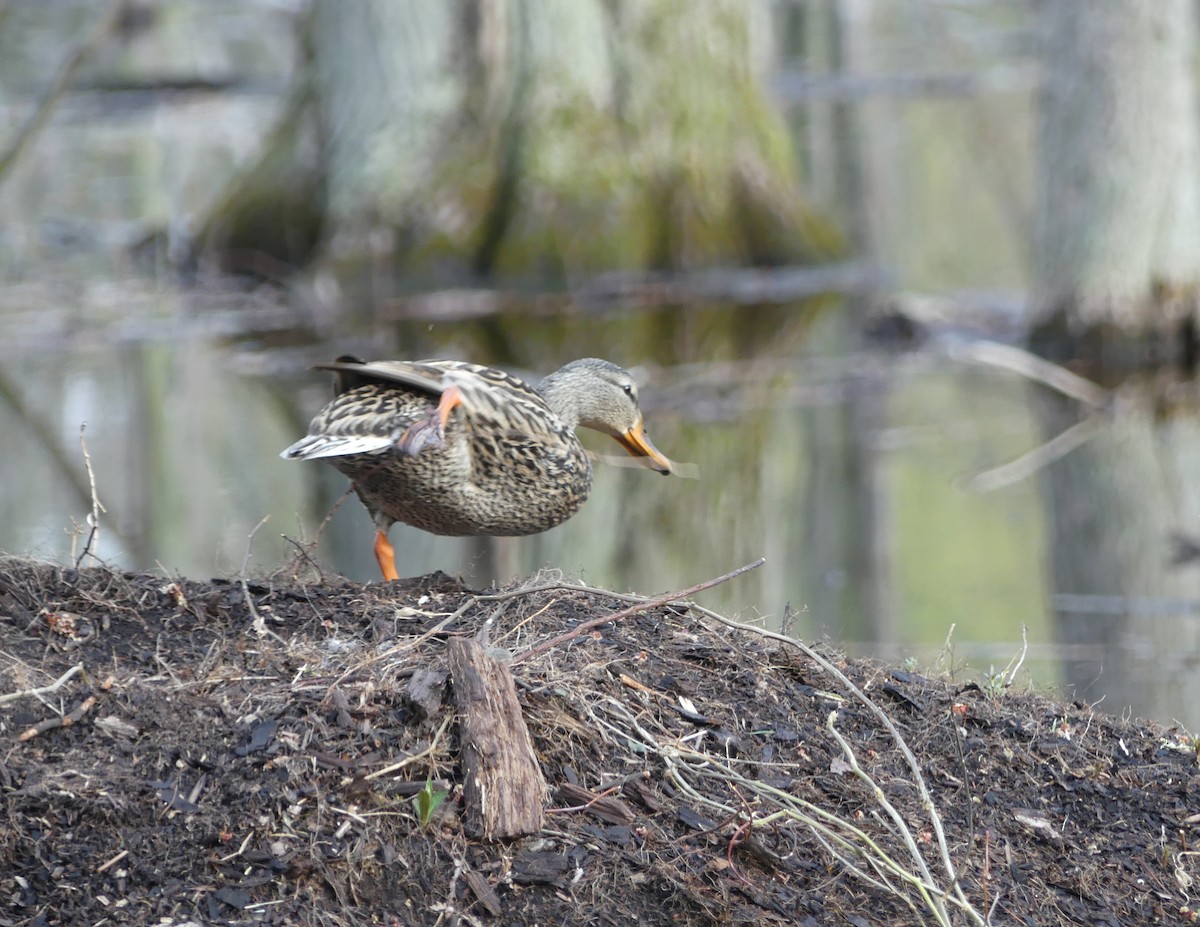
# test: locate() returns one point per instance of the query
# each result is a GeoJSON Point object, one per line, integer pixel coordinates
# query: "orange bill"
{"type": "Point", "coordinates": [638, 444]}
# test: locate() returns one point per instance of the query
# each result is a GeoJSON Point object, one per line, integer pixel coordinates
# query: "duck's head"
{"type": "Point", "coordinates": [600, 395]}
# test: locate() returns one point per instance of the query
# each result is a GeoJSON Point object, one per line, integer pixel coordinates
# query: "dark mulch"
{"type": "Point", "coordinates": [218, 763]}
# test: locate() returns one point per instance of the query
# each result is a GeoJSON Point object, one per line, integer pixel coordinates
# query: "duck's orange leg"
{"type": "Point", "coordinates": [431, 429]}
{"type": "Point", "coordinates": [386, 555]}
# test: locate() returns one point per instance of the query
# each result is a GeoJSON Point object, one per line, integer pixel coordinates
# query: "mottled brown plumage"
{"type": "Point", "coordinates": [460, 449]}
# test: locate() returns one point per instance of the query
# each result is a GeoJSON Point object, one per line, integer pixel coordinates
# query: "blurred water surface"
{"type": "Point", "coordinates": [184, 430]}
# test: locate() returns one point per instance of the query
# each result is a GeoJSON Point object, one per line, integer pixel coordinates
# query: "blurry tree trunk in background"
{"type": "Point", "coordinates": [387, 89]}
{"type": "Point", "coordinates": [543, 139]}
{"type": "Point", "coordinates": [848, 546]}
{"type": "Point", "coordinates": [1117, 234]}
{"type": "Point", "coordinates": [1117, 256]}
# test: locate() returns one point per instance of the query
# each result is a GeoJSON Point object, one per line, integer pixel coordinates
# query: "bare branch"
{"type": "Point", "coordinates": [97, 508]}
{"type": "Point", "coordinates": [43, 690]}
{"type": "Point", "coordinates": [1040, 457]}
{"type": "Point", "coordinates": [644, 606]}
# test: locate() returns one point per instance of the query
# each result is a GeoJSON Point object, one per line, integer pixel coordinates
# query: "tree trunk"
{"type": "Point", "coordinates": [556, 138]}
{"type": "Point", "coordinates": [1117, 232]}
{"type": "Point", "coordinates": [1117, 244]}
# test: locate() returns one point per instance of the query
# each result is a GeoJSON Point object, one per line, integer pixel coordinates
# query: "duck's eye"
{"type": "Point", "coordinates": [628, 387]}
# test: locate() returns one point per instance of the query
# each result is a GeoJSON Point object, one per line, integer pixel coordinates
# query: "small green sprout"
{"type": "Point", "coordinates": [427, 801]}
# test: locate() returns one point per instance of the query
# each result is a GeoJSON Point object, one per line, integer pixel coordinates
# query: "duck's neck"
{"type": "Point", "coordinates": [560, 397]}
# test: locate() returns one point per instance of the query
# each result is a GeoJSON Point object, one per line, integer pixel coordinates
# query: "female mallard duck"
{"type": "Point", "coordinates": [459, 449]}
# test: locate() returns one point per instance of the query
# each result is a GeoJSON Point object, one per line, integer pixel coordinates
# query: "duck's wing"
{"type": "Point", "coordinates": [493, 402]}
{"type": "Point", "coordinates": [314, 447]}
{"type": "Point", "coordinates": [370, 401]}
{"type": "Point", "coordinates": [497, 401]}
{"type": "Point", "coordinates": [492, 409]}
{"type": "Point", "coordinates": [424, 377]}
{"type": "Point", "coordinates": [431, 377]}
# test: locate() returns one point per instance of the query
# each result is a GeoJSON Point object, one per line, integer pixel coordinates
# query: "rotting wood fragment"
{"type": "Point", "coordinates": [605, 807]}
{"type": "Point", "coordinates": [425, 689]}
{"type": "Point", "coordinates": [483, 891]}
{"type": "Point", "coordinates": [694, 819]}
{"type": "Point", "coordinates": [641, 792]}
{"type": "Point", "coordinates": [541, 868]}
{"type": "Point", "coordinates": [504, 790]}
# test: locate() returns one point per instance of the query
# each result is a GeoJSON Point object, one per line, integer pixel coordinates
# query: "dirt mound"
{"type": "Point", "coordinates": [289, 753]}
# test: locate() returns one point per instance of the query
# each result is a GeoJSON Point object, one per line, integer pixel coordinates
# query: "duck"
{"type": "Point", "coordinates": [462, 449]}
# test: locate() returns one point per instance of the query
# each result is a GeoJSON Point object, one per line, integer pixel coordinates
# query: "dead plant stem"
{"type": "Point", "coordinates": [97, 508]}
{"type": "Point", "coordinates": [43, 690]}
{"type": "Point", "coordinates": [260, 625]}
{"type": "Point", "coordinates": [914, 766]}
{"type": "Point", "coordinates": [637, 609]}
{"type": "Point", "coordinates": [433, 744]}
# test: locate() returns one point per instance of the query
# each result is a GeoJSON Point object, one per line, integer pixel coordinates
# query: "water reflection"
{"type": "Point", "coordinates": [184, 433]}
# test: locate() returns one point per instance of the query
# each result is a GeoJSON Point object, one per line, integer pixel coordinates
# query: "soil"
{"type": "Point", "coordinates": [273, 752]}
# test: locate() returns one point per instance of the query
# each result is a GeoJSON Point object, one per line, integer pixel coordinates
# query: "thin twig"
{"type": "Point", "coordinates": [260, 626]}
{"type": "Point", "coordinates": [992, 909]}
{"type": "Point", "coordinates": [316, 538]}
{"type": "Point", "coordinates": [408, 760]}
{"type": "Point", "coordinates": [302, 554]}
{"type": "Point", "coordinates": [987, 872]}
{"type": "Point", "coordinates": [637, 609]}
{"type": "Point", "coordinates": [43, 690]}
{"type": "Point", "coordinates": [50, 724]}
{"type": "Point", "coordinates": [584, 807]}
{"type": "Point", "coordinates": [112, 862]}
{"type": "Point", "coordinates": [897, 738]}
{"type": "Point", "coordinates": [1010, 673]}
{"type": "Point", "coordinates": [97, 508]}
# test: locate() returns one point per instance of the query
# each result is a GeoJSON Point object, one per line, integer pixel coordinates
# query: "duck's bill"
{"type": "Point", "coordinates": [638, 444]}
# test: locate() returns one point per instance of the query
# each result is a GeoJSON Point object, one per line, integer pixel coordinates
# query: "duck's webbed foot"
{"type": "Point", "coordinates": [422, 433]}
{"type": "Point", "coordinates": [430, 429]}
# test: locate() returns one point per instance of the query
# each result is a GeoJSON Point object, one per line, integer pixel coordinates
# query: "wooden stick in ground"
{"type": "Point", "coordinates": [74, 717]}
{"type": "Point", "coordinates": [503, 787]}
{"type": "Point", "coordinates": [634, 610]}
{"type": "Point", "coordinates": [97, 508]}
{"type": "Point", "coordinates": [259, 625]}
{"type": "Point", "coordinates": [43, 690]}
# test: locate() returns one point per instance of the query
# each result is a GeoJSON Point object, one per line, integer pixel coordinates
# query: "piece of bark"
{"type": "Point", "coordinates": [541, 868]}
{"type": "Point", "coordinates": [483, 891]}
{"type": "Point", "coordinates": [605, 807]}
{"type": "Point", "coordinates": [504, 791]}
{"type": "Point", "coordinates": [641, 792]}
{"type": "Point", "coordinates": [425, 689]}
